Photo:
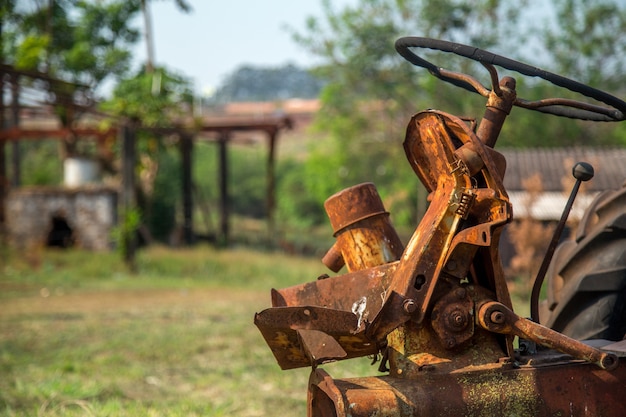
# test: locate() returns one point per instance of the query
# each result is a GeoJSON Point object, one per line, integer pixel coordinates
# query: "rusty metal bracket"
{"type": "Point", "coordinates": [431, 145]}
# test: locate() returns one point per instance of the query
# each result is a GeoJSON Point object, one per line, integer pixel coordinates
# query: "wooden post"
{"type": "Point", "coordinates": [129, 235]}
{"type": "Point", "coordinates": [186, 151]}
{"type": "Point", "coordinates": [15, 122]}
{"type": "Point", "coordinates": [271, 183]}
{"type": "Point", "coordinates": [223, 183]}
{"type": "Point", "coordinates": [3, 167]}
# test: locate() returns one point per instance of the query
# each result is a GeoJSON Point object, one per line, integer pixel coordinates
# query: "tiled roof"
{"type": "Point", "coordinates": [554, 165]}
{"type": "Point", "coordinates": [289, 106]}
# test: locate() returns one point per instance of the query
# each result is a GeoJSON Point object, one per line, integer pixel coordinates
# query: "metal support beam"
{"type": "Point", "coordinates": [271, 183]}
{"type": "Point", "coordinates": [186, 151]}
{"type": "Point", "coordinates": [15, 122]}
{"type": "Point", "coordinates": [4, 183]}
{"type": "Point", "coordinates": [129, 204]}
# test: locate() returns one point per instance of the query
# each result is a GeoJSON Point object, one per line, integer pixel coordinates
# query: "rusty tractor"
{"type": "Point", "coordinates": [438, 311]}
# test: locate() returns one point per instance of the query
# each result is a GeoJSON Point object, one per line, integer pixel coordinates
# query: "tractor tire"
{"type": "Point", "coordinates": [586, 281]}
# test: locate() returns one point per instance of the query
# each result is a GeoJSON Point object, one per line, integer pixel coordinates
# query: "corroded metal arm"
{"type": "Point", "coordinates": [497, 318]}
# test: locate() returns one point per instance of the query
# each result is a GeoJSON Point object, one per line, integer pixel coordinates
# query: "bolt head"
{"type": "Point", "coordinates": [409, 306]}
{"type": "Point", "coordinates": [497, 317]}
{"type": "Point", "coordinates": [457, 320]}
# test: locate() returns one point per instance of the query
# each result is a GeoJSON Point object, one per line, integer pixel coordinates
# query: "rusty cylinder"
{"type": "Point", "coordinates": [365, 236]}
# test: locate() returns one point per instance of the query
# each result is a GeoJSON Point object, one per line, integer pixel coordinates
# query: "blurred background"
{"type": "Point", "coordinates": [163, 164]}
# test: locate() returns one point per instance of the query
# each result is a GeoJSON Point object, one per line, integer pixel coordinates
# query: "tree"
{"type": "Point", "coordinates": [76, 40]}
{"type": "Point", "coordinates": [586, 41]}
{"type": "Point", "coordinates": [582, 41]}
{"type": "Point", "coordinates": [155, 99]}
{"type": "Point", "coordinates": [251, 83]}
{"type": "Point", "coordinates": [361, 63]}
{"type": "Point", "coordinates": [579, 40]}
{"type": "Point", "coordinates": [81, 42]}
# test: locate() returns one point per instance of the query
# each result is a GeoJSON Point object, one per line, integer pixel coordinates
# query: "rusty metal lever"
{"type": "Point", "coordinates": [496, 317]}
{"type": "Point", "coordinates": [582, 171]}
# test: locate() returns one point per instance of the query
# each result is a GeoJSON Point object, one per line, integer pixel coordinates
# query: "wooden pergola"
{"type": "Point", "coordinates": [221, 130]}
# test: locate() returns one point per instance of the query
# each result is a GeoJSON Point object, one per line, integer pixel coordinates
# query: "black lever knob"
{"type": "Point", "coordinates": [582, 171]}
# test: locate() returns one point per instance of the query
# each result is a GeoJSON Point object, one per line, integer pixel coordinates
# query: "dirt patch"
{"type": "Point", "coordinates": [124, 300]}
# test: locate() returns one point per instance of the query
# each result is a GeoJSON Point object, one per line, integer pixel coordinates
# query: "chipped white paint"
{"type": "Point", "coordinates": [358, 308]}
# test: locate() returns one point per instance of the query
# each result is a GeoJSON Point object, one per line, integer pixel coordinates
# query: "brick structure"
{"type": "Point", "coordinates": [45, 216]}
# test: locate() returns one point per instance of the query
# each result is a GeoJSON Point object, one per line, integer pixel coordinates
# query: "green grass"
{"type": "Point", "coordinates": [81, 336]}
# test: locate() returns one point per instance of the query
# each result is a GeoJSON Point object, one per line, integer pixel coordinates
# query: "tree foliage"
{"type": "Point", "coordinates": [587, 41]}
{"type": "Point", "coordinates": [252, 83]}
{"type": "Point", "coordinates": [79, 41]}
{"type": "Point", "coordinates": [155, 99]}
{"type": "Point", "coordinates": [355, 44]}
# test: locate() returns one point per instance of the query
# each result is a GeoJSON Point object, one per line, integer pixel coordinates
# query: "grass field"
{"type": "Point", "coordinates": [80, 336]}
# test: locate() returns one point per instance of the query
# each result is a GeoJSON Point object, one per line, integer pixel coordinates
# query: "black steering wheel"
{"type": "Point", "coordinates": [558, 106]}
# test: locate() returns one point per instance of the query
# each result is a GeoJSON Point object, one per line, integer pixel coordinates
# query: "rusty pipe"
{"type": "Point", "coordinates": [496, 390]}
{"type": "Point", "coordinates": [498, 108]}
{"type": "Point", "coordinates": [365, 236]}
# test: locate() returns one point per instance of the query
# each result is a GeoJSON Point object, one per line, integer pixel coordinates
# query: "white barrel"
{"type": "Point", "coordinates": [80, 171]}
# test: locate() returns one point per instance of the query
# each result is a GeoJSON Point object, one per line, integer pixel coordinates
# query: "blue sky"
{"type": "Point", "coordinates": [219, 36]}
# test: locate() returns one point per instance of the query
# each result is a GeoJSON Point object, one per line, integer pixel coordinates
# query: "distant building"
{"type": "Point", "coordinates": [301, 111]}
{"type": "Point", "coordinates": [554, 168]}
{"type": "Point", "coordinates": [551, 169]}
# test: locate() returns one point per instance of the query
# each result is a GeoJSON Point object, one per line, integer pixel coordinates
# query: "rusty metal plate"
{"type": "Point", "coordinates": [280, 328]}
{"type": "Point", "coordinates": [341, 292]}
{"type": "Point", "coordinates": [338, 308]}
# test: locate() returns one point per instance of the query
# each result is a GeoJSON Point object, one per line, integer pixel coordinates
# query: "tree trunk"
{"type": "Point", "coordinates": [147, 21]}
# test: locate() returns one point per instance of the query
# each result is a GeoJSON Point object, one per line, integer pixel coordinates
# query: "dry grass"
{"type": "Point", "coordinates": [81, 337]}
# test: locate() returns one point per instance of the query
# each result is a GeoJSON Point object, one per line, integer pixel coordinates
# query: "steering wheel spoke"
{"type": "Point", "coordinates": [541, 105]}
{"type": "Point", "coordinates": [461, 78]}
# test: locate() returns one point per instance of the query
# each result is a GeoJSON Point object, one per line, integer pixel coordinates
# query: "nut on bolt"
{"type": "Point", "coordinates": [458, 320]}
{"type": "Point", "coordinates": [409, 306]}
{"type": "Point", "coordinates": [497, 317]}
